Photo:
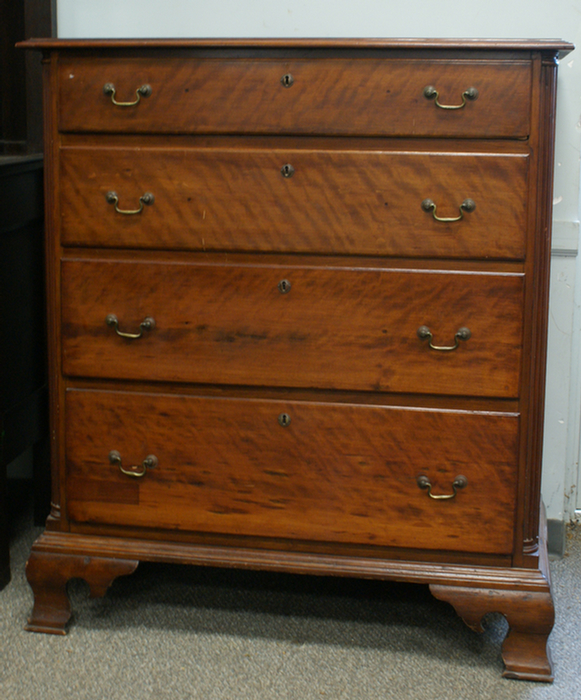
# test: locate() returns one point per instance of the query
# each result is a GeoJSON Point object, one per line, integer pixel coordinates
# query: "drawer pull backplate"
{"type": "Point", "coordinates": [150, 462]}
{"type": "Point", "coordinates": [148, 324]}
{"type": "Point", "coordinates": [430, 93]}
{"type": "Point", "coordinates": [143, 91]}
{"type": "Point", "coordinates": [460, 482]}
{"type": "Point", "coordinates": [461, 334]}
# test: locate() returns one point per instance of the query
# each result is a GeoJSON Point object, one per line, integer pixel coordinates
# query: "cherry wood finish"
{"type": "Point", "coordinates": [364, 201]}
{"type": "Point", "coordinates": [48, 575]}
{"type": "Point", "coordinates": [330, 96]}
{"type": "Point", "coordinates": [342, 473]}
{"type": "Point", "coordinates": [284, 391]}
{"type": "Point", "coordinates": [524, 651]}
{"type": "Point", "coordinates": [241, 329]}
{"type": "Point", "coordinates": [530, 615]}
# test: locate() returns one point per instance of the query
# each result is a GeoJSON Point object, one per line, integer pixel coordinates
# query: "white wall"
{"type": "Point", "coordinates": [418, 18]}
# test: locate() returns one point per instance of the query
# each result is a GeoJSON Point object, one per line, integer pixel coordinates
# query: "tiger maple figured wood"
{"type": "Point", "coordinates": [362, 202]}
{"type": "Point", "coordinates": [369, 407]}
{"type": "Point", "coordinates": [230, 467]}
{"type": "Point", "coordinates": [241, 330]}
{"type": "Point", "coordinates": [330, 96]}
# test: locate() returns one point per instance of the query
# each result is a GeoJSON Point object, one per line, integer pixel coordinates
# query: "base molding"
{"type": "Point", "coordinates": [522, 595]}
{"type": "Point", "coordinates": [298, 562]}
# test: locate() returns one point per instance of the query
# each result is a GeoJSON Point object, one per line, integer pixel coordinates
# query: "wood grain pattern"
{"type": "Point", "coordinates": [371, 406]}
{"type": "Point", "coordinates": [363, 201]}
{"type": "Point", "coordinates": [336, 473]}
{"type": "Point", "coordinates": [230, 324]}
{"type": "Point", "coordinates": [329, 96]}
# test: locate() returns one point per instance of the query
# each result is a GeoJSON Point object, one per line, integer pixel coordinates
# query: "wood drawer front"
{"type": "Point", "coordinates": [336, 473]}
{"type": "Point", "coordinates": [341, 96]}
{"type": "Point", "coordinates": [351, 202]}
{"type": "Point", "coordinates": [337, 328]}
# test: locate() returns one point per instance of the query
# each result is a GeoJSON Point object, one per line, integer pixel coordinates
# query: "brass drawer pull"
{"type": "Point", "coordinates": [146, 198]}
{"type": "Point", "coordinates": [461, 334]}
{"type": "Point", "coordinates": [460, 482]}
{"type": "Point", "coordinates": [148, 324]}
{"type": "Point", "coordinates": [467, 205]}
{"type": "Point", "coordinates": [143, 91]}
{"type": "Point", "coordinates": [150, 462]}
{"type": "Point", "coordinates": [430, 93]}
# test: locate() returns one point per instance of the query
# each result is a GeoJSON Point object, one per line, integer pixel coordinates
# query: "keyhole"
{"type": "Point", "coordinates": [284, 419]}
{"type": "Point", "coordinates": [284, 286]}
{"type": "Point", "coordinates": [287, 170]}
{"type": "Point", "coordinates": [287, 80]}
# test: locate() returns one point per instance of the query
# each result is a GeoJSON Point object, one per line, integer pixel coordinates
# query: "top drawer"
{"type": "Point", "coordinates": [336, 96]}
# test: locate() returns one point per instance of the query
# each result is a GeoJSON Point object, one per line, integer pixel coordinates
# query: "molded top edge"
{"type": "Point", "coordinates": [553, 45]}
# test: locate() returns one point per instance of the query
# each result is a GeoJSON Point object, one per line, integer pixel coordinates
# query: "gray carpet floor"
{"type": "Point", "coordinates": [195, 633]}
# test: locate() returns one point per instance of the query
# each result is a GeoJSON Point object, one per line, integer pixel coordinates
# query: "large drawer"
{"type": "Point", "coordinates": [334, 473]}
{"type": "Point", "coordinates": [294, 326]}
{"type": "Point", "coordinates": [357, 201]}
{"type": "Point", "coordinates": [340, 96]}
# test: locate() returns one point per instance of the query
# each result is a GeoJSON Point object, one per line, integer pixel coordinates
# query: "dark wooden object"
{"type": "Point", "coordinates": [20, 75]}
{"type": "Point", "coordinates": [23, 400]}
{"type": "Point", "coordinates": [23, 388]}
{"type": "Point", "coordinates": [242, 266]}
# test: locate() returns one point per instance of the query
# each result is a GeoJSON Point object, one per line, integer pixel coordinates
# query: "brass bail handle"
{"type": "Point", "coordinates": [460, 482]}
{"type": "Point", "coordinates": [461, 334]}
{"type": "Point", "coordinates": [430, 93]}
{"type": "Point", "coordinates": [143, 91]}
{"type": "Point", "coordinates": [468, 205]}
{"type": "Point", "coordinates": [145, 199]}
{"type": "Point", "coordinates": [137, 472]}
{"type": "Point", "coordinates": [148, 324]}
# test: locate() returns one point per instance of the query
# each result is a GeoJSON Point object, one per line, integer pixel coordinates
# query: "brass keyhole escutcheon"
{"type": "Point", "coordinates": [284, 419]}
{"type": "Point", "coordinates": [287, 170]}
{"type": "Point", "coordinates": [284, 286]}
{"type": "Point", "coordinates": [287, 80]}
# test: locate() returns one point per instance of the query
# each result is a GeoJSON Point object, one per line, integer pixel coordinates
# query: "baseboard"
{"type": "Point", "coordinates": [556, 537]}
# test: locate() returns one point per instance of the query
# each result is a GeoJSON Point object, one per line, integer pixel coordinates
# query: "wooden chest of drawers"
{"type": "Point", "coordinates": [298, 299]}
